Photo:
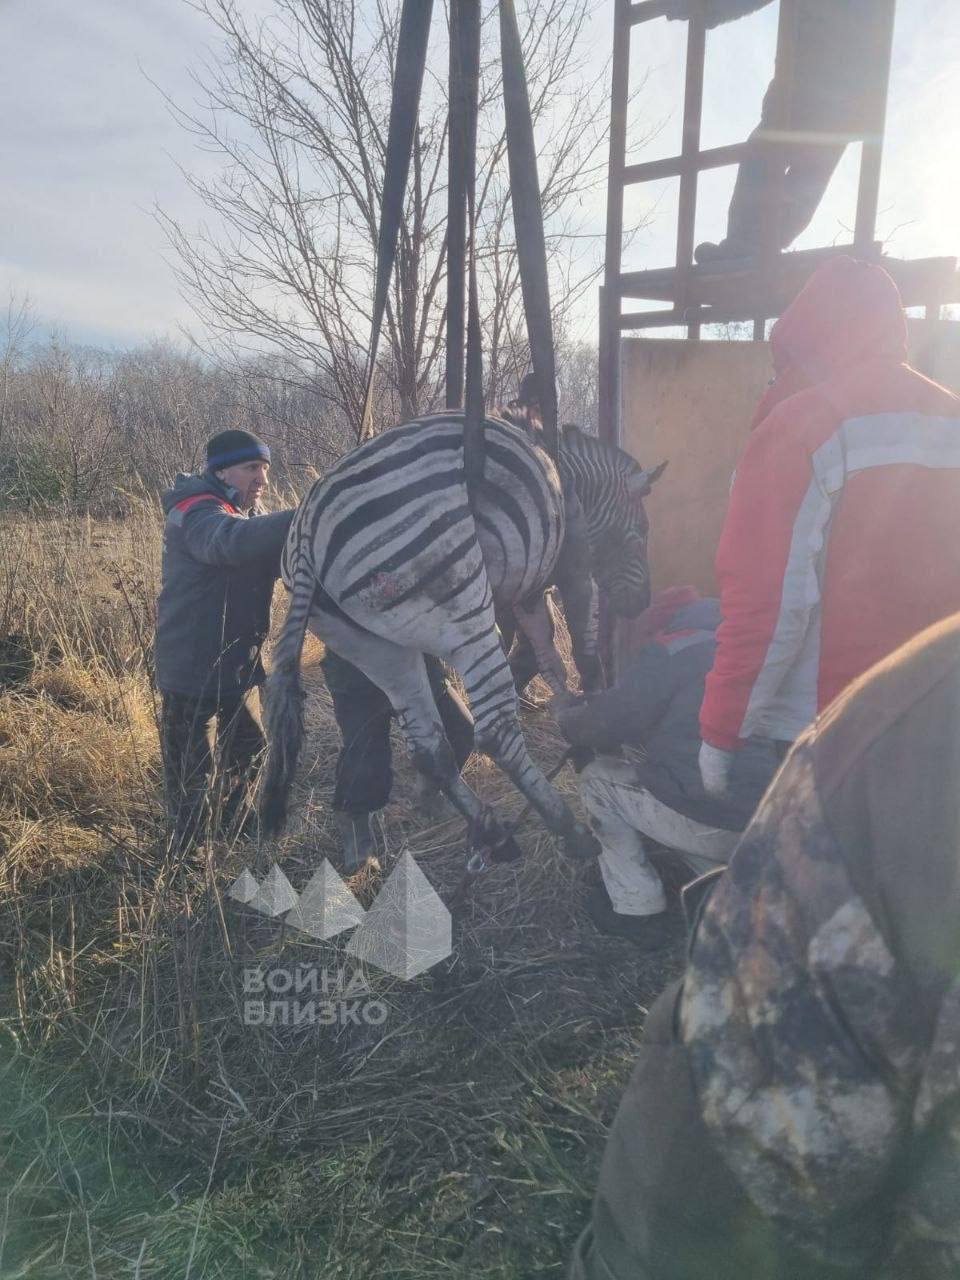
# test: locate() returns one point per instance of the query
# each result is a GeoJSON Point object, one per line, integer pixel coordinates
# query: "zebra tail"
{"type": "Point", "coordinates": [283, 715]}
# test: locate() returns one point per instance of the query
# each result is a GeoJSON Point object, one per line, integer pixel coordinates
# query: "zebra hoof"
{"type": "Point", "coordinates": [358, 844]}
{"type": "Point", "coordinates": [581, 843]}
{"type": "Point", "coordinates": [506, 851]}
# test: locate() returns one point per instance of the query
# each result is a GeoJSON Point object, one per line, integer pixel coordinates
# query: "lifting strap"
{"type": "Point", "coordinates": [525, 199]}
{"type": "Point", "coordinates": [464, 96]}
{"type": "Point", "coordinates": [405, 106]}
{"type": "Point", "coordinates": [456, 216]}
{"type": "Point", "coordinates": [528, 220]}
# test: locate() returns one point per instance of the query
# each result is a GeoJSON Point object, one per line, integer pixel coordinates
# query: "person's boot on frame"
{"type": "Point", "coordinates": [835, 86]}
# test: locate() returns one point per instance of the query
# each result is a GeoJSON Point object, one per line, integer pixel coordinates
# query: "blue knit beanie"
{"type": "Point", "coordinates": [230, 447]}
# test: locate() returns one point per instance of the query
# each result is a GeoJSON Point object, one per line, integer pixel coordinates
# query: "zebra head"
{"type": "Point", "coordinates": [611, 487]}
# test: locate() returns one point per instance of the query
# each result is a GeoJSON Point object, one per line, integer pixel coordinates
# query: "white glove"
{"type": "Point", "coordinates": [715, 766]}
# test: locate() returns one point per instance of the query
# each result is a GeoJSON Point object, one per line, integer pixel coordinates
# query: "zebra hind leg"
{"type": "Point", "coordinates": [538, 623]}
{"type": "Point", "coordinates": [490, 688]}
{"type": "Point", "coordinates": [402, 675]}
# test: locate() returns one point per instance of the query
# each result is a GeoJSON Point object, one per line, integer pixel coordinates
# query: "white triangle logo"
{"type": "Point", "coordinates": [275, 895]}
{"type": "Point", "coordinates": [326, 906]}
{"type": "Point", "coordinates": [408, 929]}
{"type": "Point", "coordinates": [244, 888]}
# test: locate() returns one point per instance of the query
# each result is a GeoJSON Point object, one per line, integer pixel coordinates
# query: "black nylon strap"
{"type": "Point", "coordinates": [405, 105]}
{"type": "Point", "coordinates": [456, 216]}
{"type": "Point", "coordinates": [469, 76]}
{"type": "Point", "coordinates": [528, 220]}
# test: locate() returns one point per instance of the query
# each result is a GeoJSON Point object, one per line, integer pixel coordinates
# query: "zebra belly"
{"type": "Point", "coordinates": [516, 570]}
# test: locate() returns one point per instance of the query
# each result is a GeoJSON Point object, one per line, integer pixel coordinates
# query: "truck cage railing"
{"type": "Point", "coordinates": [755, 290]}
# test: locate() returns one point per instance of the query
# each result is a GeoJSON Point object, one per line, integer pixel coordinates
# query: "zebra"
{"type": "Point", "coordinates": [389, 557]}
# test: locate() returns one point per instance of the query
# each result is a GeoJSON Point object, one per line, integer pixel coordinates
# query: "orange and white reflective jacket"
{"type": "Point", "coordinates": [842, 538]}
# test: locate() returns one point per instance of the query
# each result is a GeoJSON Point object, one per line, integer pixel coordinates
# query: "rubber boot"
{"type": "Point", "coordinates": [358, 844]}
{"type": "Point", "coordinates": [647, 933]}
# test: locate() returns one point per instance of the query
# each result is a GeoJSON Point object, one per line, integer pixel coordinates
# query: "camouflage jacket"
{"type": "Point", "coordinates": [821, 1009]}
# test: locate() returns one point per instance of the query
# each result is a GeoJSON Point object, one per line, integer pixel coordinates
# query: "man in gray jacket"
{"type": "Point", "coordinates": [644, 784]}
{"type": "Point", "coordinates": [838, 61]}
{"type": "Point", "coordinates": [221, 557]}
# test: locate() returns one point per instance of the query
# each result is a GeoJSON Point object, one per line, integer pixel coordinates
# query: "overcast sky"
{"type": "Point", "coordinates": [88, 147]}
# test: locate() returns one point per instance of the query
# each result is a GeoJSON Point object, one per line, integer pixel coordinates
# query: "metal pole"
{"type": "Point", "coordinates": [781, 125]}
{"type": "Point", "coordinates": [871, 160]}
{"type": "Point", "coordinates": [609, 380]}
{"type": "Point", "coordinates": [692, 119]}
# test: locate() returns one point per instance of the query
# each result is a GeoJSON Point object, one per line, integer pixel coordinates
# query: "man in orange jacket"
{"type": "Point", "coordinates": [842, 538]}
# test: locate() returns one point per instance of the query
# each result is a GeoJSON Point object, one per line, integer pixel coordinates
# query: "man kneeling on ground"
{"type": "Point", "coordinates": [651, 790]}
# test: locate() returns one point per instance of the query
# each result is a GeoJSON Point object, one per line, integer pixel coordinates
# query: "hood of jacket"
{"type": "Point", "coordinates": [848, 313]}
{"type": "Point", "coordinates": [675, 609]}
{"type": "Point", "coordinates": [699, 615]}
{"type": "Point", "coordinates": [189, 486]}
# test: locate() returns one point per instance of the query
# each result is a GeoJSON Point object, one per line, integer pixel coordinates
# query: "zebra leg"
{"type": "Point", "coordinates": [489, 683]}
{"type": "Point", "coordinates": [402, 675]}
{"type": "Point", "coordinates": [581, 607]}
{"type": "Point", "coordinates": [536, 621]}
{"type": "Point", "coordinates": [578, 591]}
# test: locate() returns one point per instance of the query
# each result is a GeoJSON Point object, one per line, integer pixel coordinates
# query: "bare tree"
{"type": "Point", "coordinates": [578, 376]}
{"type": "Point", "coordinates": [297, 107]}
{"type": "Point", "coordinates": [19, 324]}
{"type": "Point", "coordinates": [65, 412]}
{"type": "Point", "coordinates": [89, 428]}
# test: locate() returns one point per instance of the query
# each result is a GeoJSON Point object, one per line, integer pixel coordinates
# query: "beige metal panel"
{"type": "Point", "coordinates": [691, 402]}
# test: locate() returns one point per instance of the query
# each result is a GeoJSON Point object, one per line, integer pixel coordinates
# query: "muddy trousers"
{"type": "Point", "coordinates": [623, 815]}
{"type": "Point", "coordinates": [212, 750]}
{"type": "Point", "coordinates": [364, 776]}
{"type": "Point", "coordinates": [667, 1207]}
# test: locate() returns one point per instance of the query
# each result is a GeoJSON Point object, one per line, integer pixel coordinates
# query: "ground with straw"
{"type": "Point", "coordinates": [146, 1128]}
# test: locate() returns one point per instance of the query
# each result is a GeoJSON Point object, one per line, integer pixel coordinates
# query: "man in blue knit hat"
{"type": "Point", "coordinates": [221, 557]}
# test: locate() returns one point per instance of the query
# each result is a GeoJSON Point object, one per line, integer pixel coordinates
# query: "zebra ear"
{"type": "Point", "coordinates": [641, 482]}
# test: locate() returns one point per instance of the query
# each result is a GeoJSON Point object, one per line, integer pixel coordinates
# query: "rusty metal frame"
{"type": "Point", "coordinates": [701, 295]}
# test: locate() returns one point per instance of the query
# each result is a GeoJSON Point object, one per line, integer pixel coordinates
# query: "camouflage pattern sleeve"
{"type": "Point", "coordinates": [794, 1018]}
{"type": "Point", "coordinates": [928, 1225]}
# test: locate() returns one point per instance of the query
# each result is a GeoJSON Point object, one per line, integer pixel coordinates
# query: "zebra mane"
{"type": "Point", "coordinates": [575, 442]}
{"type": "Point", "coordinates": [578, 444]}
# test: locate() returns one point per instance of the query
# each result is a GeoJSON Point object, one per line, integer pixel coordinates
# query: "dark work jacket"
{"type": "Point", "coordinates": [839, 53]}
{"type": "Point", "coordinates": [219, 567]}
{"type": "Point", "coordinates": [655, 705]}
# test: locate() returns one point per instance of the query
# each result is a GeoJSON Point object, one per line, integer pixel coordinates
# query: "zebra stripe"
{"type": "Point", "coordinates": [387, 507]}
{"type": "Point", "coordinates": [404, 562]}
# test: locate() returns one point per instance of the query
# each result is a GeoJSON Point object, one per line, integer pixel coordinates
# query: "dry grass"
{"type": "Point", "coordinates": [146, 1130]}
{"type": "Point", "coordinates": [77, 749]}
